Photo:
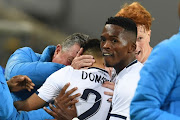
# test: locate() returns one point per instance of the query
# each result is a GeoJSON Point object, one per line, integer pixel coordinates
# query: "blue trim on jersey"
{"type": "Point", "coordinates": [135, 61]}
{"type": "Point", "coordinates": [99, 69]}
{"type": "Point", "coordinates": [118, 116]}
{"type": "Point", "coordinates": [37, 92]}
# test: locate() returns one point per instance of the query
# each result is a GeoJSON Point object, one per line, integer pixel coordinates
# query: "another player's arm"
{"type": "Point", "coordinates": [46, 94]}
{"type": "Point", "coordinates": [109, 85]}
{"type": "Point", "coordinates": [32, 103]}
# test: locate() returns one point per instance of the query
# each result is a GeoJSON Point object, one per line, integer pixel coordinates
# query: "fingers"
{"type": "Point", "coordinates": [82, 61]}
{"type": "Point", "coordinates": [64, 100]}
{"type": "Point", "coordinates": [109, 85]}
{"type": "Point", "coordinates": [86, 62]}
{"type": "Point", "coordinates": [27, 78]}
{"type": "Point", "coordinates": [74, 96]}
{"type": "Point", "coordinates": [63, 90]}
{"type": "Point", "coordinates": [71, 100]}
{"type": "Point", "coordinates": [80, 52]}
{"type": "Point", "coordinates": [108, 93]}
{"type": "Point", "coordinates": [110, 100]}
{"type": "Point", "coordinates": [52, 113]}
{"type": "Point", "coordinates": [63, 96]}
{"type": "Point", "coordinates": [22, 78]}
{"type": "Point", "coordinates": [71, 103]}
{"type": "Point", "coordinates": [70, 92]}
{"type": "Point", "coordinates": [29, 86]}
{"type": "Point", "coordinates": [82, 57]}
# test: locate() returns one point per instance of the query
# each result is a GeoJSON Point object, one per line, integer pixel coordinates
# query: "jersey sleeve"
{"type": "Point", "coordinates": [53, 85]}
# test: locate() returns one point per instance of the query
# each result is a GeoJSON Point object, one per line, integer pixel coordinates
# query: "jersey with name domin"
{"type": "Point", "coordinates": [93, 104]}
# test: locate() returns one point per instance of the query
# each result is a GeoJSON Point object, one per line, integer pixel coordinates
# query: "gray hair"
{"type": "Point", "coordinates": [76, 38]}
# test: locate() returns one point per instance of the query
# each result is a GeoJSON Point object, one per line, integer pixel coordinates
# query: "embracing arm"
{"type": "Point", "coordinates": [32, 103]}
{"type": "Point", "coordinates": [25, 62]}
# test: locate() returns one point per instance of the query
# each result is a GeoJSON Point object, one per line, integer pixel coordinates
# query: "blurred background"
{"type": "Point", "coordinates": [38, 23]}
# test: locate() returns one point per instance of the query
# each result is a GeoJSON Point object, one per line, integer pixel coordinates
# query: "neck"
{"type": "Point", "coordinates": [123, 64]}
{"type": "Point", "coordinates": [99, 63]}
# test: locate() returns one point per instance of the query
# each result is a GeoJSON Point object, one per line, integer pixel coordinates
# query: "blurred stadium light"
{"type": "Point", "coordinates": [18, 29]}
{"type": "Point", "coordinates": [50, 11]}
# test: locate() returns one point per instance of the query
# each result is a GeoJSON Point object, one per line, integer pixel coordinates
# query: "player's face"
{"type": "Point", "coordinates": [142, 44]}
{"type": "Point", "coordinates": [114, 45]}
{"type": "Point", "coordinates": [65, 57]}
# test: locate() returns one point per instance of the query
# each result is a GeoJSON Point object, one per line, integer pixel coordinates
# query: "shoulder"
{"type": "Point", "coordinates": [25, 51]}
{"type": "Point", "coordinates": [132, 75]}
{"type": "Point", "coordinates": [62, 75]}
{"type": "Point", "coordinates": [63, 71]}
{"type": "Point", "coordinates": [134, 70]}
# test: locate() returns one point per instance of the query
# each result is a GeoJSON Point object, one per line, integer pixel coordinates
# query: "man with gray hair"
{"type": "Point", "coordinates": [38, 67]}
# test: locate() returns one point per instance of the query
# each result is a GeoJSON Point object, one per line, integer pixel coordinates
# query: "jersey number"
{"type": "Point", "coordinates": [94, 109]}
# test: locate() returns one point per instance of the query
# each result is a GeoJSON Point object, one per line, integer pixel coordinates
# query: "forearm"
{"type": "Point", "coordinates": [32, 103]}
{"type": "Point", "coordinates": [22, 106]}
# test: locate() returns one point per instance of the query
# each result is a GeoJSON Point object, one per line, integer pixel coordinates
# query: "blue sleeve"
{"type": "Point", "coordinates": [3, 70]}
{"type": "Point", "coordinates": [7, 109]}
{"type": "Point", "coordinates": [39, 114]}
{"type": "Point", "coordinates": [25, 62]}
{"type": "Point", "coordinates": [22, 115]}
{"type": "Point", "coordinates": [157, 78]}
{"type": "Point", "coordinates": [6, 104]}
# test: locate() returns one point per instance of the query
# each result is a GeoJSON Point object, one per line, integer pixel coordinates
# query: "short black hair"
{"type": "Point", "coordinates": [92, 47]}
{"type": "Point", "coordinates": [123, 22]}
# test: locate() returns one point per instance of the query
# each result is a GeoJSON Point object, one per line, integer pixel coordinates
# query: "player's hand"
{"type": "Point", "coordinates": [109, 70]}
{"type": "Point", "coordinates": [64, 105]}
{"type": "Point", "coordinates": [81, 61]}
{"type": "Point", "coordinates": [20, 82]}
{"type": "Point", "coordinates": [109, 85]}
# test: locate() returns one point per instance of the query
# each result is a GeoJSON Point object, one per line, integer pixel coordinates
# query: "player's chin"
{"type": "Point", "coordinates": [108, 64]}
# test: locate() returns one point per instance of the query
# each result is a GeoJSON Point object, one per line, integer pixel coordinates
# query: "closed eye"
{"type": "Point", "coordinates": [69, 61]}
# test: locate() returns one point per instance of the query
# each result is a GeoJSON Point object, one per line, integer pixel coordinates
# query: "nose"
{"type": "Point", "coordinates": [106, 44]}
{"type": "Point", "coordinates": [137, 45]}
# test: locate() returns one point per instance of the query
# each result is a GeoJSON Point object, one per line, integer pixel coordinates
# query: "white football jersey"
{"type": "Point", "coordinates": [93, 104]}
{"type": "Point", "coordinates": [125, 87]}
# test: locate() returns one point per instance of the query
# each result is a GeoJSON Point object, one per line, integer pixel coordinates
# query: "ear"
{"type": "Point", "coordinates": [58, 49]}
{"type": "Point", "coordinates": [132, 48]}
{"type": "Point", "coordinates": [149, 34]}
